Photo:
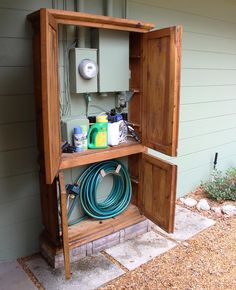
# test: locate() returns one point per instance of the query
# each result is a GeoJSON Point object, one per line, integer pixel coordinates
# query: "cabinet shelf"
{"type": "Point", "coordinates": [70, 160]}
{"type": "Point", "coordinates": [92, 229]}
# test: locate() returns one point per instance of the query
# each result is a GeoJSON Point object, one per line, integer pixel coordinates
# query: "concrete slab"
{"type": "Point", "coordinates": [13, 277]}
{"type": "Point", "coordinates": [187, 224]}
{"type": "Point", "coordinates": [140, 250]}
{"type": "Point", "coordinates": [88, 273]}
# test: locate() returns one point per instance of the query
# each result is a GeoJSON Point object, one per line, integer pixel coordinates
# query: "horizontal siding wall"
{"type": "Point", "coordinates": [20, 213]}
{"type": "Point", "coordinates": [208, 82]}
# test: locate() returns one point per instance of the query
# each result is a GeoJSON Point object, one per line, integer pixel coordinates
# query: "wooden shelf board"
{"type": "Point", "coordinates": [70, 160]}
{"type": "Point", "coordinates": [91, 229]}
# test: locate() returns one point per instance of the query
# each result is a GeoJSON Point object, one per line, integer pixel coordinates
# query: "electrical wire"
{"type": "Point", "coordinates": [88, 100]}
{"type": "Point", "coordinates": [65, 99]}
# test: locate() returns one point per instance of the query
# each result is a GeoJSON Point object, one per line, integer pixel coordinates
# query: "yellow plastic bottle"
{"type": "Point", "coordinates": [97, 134]}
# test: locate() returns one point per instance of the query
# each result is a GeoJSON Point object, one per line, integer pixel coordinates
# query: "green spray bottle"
{"type": "Point", "coordinates": [97, 134]}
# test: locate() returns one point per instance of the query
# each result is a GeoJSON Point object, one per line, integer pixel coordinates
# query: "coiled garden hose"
{"type": "Point", "coordinates": [116, 201]}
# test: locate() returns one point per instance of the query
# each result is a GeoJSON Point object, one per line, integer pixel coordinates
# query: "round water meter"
{"type": "Point", "coordinates": [88, 69]}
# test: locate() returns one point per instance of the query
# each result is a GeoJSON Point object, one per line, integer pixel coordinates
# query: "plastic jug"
{"type": "Point", "coordinates": [97, 134]}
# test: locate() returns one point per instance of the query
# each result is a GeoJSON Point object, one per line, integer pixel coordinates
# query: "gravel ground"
{"type": "Point", "coordinates": [207, 261]}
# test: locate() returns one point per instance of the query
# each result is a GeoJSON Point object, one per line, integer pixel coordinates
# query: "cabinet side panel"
{"type": "Point", "coordinates": [134, 166]}
{"type": "Point", "coordinates": [48, 193]}
{"type": "Point", "coordinates": [49, 206]}
{"type": "Point", "coordinates": [135, 82]}
{"type": "Point", "coordinates": [50, 96]}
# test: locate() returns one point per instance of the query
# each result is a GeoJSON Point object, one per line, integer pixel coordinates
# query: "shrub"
{"type": "Point", "coordinates": [221, 187]}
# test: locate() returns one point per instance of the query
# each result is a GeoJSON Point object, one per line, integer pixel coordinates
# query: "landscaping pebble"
{"type": "Point", "coordinates": [190, 202]}
{"type": "Point", "coordinates": [182, 199]}
{"type": "Point", "coordinates": [203, 205]}
{"type": "Point", "coordinates": [216, 209]}
{"type": "Point", "coordinates": [229, 209]}
{"type": "Point", "coordinates": [185, 244]}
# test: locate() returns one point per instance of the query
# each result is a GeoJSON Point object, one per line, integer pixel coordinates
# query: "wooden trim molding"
{"type": "Point", "coordinates": [93, 20]}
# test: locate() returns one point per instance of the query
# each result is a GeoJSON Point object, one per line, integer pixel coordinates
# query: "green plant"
{"type": "Point", "coordinates": [221, 186]}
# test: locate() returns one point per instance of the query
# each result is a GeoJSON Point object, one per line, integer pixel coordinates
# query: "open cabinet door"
{"type": "Point", "coordinates": [50, 95]}
{"type": "Point", "coordinates": [161, 51]}
{"type": "Point", "coordinates": [158, 191]}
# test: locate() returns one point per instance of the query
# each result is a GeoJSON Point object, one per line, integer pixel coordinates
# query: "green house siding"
{"type": "Point", "coordinates": [208, 82]}
{"type": "Point", "coordinates": [207, 112]}
{"type": "Point", "coordinates": [20, 213]}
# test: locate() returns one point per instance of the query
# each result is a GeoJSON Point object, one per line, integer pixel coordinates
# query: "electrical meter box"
{"type": "Point", "coordinates": [113, 59]}
{"type": "Point", "coordinates": [68, 125]}
{"type": "Point", "coordinates": [83, 70]}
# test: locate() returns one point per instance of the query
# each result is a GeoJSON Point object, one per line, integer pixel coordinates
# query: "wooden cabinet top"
{"type": "Point", "coordinates": [90, 20]}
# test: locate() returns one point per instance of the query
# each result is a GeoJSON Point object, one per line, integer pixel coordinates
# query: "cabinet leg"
{"type": "Point", "coordinates": [64, 226]}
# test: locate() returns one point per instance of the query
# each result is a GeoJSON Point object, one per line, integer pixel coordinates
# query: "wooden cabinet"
{"type": "Point", "coordinates": [155, 75]}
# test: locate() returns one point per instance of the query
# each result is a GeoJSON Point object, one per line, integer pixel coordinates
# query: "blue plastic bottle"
{"type": "Point", "coordinates": [78, 138]}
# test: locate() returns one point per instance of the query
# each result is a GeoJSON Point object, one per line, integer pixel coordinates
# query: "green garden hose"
{"type": "Point", "coordinates": [116, 201]}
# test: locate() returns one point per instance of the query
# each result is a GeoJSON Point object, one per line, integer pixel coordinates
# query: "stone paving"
{"type": "Point", "coordinates": [87, 274]}
{"type": "Point", "coordinates": [13, 277]}
{"type": "Point", "coordinates": [187, 224]}
{"type": "Point", "coordinates": [140, 250]}
{"type": "Point", "coordinates": [97, 270]}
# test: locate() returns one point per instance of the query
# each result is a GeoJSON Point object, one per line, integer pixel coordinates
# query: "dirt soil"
{"type": "Point", "coordinates": [207, 261]}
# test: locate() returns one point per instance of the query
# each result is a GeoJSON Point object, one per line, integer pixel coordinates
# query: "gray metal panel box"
{"type": "Point", "coordinates": [113, 59]}
{"type": "Point", "coordinates": [68, 125]}
{"type": "Point", "coordinates": [77, 83]}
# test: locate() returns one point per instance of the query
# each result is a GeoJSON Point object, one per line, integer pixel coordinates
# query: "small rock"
{"type": "Point", "coordinates": [229, 209]}
{"type": "Point", "coordinates": [190, 202]}
{"type": "Point", "coordinates": [185, 244]}
{"type": "Point", "coordinates": [182, 199]}
{"type": "Point", "coordinates": [216, 209]}
{"type": "Point", "coordinates": [203, 205]}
